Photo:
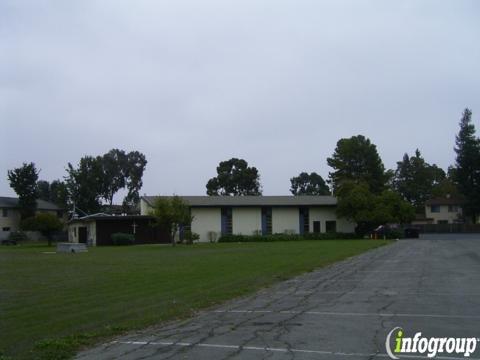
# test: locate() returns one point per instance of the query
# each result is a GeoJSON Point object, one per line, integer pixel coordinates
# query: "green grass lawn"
{"type": "Point", "coordinates": [53, 304]}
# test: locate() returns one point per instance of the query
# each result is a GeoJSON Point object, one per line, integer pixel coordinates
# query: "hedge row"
{"type": "Point", "coordinates": [123, 239]}
{"type": "Point", "coordinates": [287, 237]}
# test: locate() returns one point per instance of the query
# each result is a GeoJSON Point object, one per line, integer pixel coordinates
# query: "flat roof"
{"type": "Point", "coordinates": [218, 201]}
{"type": "Point", "coordinates": [446, 201]}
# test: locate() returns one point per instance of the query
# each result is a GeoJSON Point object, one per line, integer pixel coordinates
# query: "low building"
{"type": "Point", "coordinates": [97, 229]}
{"type": "Point", "coordinates": [214, 216]}
{"type": "Point", "coordinates": [10, 214]}
{"type": "Point", "coordinates": [447, 210]}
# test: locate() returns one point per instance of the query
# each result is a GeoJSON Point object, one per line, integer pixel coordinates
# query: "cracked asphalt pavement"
{"type": "Point", "coordinates": [429, 285]}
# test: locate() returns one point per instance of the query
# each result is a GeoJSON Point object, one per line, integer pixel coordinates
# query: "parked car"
{"type": "Point", "coordinates": [411, 233]}
{"type": "Point", "coordinates": [9, 242]}
{"type": "Point", "coordinates": [386, 232]}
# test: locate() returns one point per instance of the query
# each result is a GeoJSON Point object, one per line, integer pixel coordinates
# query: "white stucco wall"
{"type": "Point", "coordinates": [444, 214]}
{"type": "Point", "coordinates": [324, 214]}
{"type": "Point", "coordinates": [91, 232]}
{"type": "Point", "coordinates": [246, 221]}
{"type": "Point", "coordinates": [285, 220]}
{"type": "Point", "coordinates": [144, 207]}
{"type": "Point", "coordinates": [206, 220]}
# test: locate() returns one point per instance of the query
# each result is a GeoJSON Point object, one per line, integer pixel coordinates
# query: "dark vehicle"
{"type": "Point", "coordinates": [411, 233]}
{"type": "Point", "coordinates": [9, 242]}
{"type": "Point", "coordinates": [386, 232]}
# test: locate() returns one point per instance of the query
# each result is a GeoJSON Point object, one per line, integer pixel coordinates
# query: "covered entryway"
{"type": "Point", "coordinates": [82, 234]}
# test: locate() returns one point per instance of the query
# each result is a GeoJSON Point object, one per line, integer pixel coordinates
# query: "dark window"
{"type": "Point", "coordinates": [331, 226]}
{"type": "Point", "coordinates": [452, 208]}
{"type": "Point", "coordinates": [435, 208]}
{"type": "Point", "coordinates": [6, 229]}
{"type": "Point", "coordinates": [304, 220]}
{"type": "Point", "coordinates": [316, 227]}
{"type": "Point", "coordinates": [227, 222]}
{"type": "Point", "coordinates": [5, 212]}
{"type": "Point", "coordinates": [59, 213]}
{"type": "Point", "coordinates": [266, 221]}
{"type": "Point", "coordinates": [442, 222]}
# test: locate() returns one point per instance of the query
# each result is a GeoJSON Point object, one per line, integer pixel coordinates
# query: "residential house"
{"type": "Point", "coordinates": [447, 210]}
{"type": "Point", "coordinates": [10, 214]}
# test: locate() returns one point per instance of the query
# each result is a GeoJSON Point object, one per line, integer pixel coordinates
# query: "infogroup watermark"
{"type": "Point", "coordinates": [432, 347]}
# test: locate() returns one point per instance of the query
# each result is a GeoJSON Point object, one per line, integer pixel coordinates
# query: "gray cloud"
{"type": "Point", "coordinates": [192, 83]}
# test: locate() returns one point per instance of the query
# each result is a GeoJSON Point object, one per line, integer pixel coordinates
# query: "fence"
{"type": "Point", "coordinates": [447, 228]}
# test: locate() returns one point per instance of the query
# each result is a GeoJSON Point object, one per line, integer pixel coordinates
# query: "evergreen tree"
{"type": "Point", "coordinates": [467, 165]}
{"type": "Point", "coordinates": [356, 160]}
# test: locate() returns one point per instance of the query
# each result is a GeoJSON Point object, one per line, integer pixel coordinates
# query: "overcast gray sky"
{"type": "Point", "coordinates": [192, 83]}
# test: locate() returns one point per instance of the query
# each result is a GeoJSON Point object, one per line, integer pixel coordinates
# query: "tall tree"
{"type": "Point", "coordinates": [55, 192]}
{"type": "Point", "coordinates": [59, 193]}
{"type": "Point", "coordinates": [101, 177]}
{"type": "Point", "coordinates": [308, 184]}
{"type": "Point", "coordinates": [85, 184]}
{"type": "Point", "coordinates": [356, 159]}
{"type": "Point", "coordinates": [170, 213]}
{"type": "Point", "coordinates": [467, 165]}
{"type": "Point", "coordinates": [415, 179]}
{"type": "Point", "coordinates": [24, 181]}
{"type": "Point", "coordinates": [135, 166]}
{"type": "Point", "coordinates": [446, 187]}
{"type": "Point", "coordinates": [43, 190]}
{"type": "Point", "coordinates": [114, 167]}
{"type": "Point", "coordinates": [235, 178]}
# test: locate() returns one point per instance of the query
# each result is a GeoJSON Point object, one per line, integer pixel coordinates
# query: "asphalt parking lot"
{"type": "Point", "coordinates": [429, 285]}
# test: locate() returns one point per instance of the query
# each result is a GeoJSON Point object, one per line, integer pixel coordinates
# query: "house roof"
{"type": "Point", "coordinates": [12, 203]}
{"type": "Point", "coordinates": [446, 201]}
{"type": "Point", "coordinates": [106, 217]}
{"type": "Point", "coordinates": [216, 201]}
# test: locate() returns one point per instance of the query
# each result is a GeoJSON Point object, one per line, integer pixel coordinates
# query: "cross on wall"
{"type": "Point", "coordinates": [134, 225]}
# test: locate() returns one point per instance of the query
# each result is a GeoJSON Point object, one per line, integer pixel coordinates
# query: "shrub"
{"type": "Point", "coordinates": [394, 234]}
{"type": "Point", "coordinates": [212, 236]}
{"type": "Point", "coordinates": [287, 237]}
{"type": "Point", "coordinates": [123, 239]}
{"type": "Point", "coordinates": [331, 236]}
{"type": "Point", "coordinates": [17, 236]}
{"type": "Point", "coordinates": [189, 237]}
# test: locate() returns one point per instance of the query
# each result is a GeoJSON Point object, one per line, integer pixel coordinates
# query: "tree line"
{"type": "Point", "coordinates": [368, 193]}
{"type": "Point", "coordinates": [87, 186]}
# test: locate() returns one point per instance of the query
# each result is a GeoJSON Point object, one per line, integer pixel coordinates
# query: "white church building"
{"type": "Point", "coordinates": [214, 216]}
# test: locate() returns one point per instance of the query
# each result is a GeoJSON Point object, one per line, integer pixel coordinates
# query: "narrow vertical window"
{"type": "Point", "coordinates": [266, 221]}
{"type": "Point", "coordinates": [227, 222]}
{"type": "Point", "coordinates": [304, 219]}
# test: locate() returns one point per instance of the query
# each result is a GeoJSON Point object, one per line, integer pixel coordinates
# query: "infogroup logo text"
{"type": "Point", "coordinates": [431, 346]}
